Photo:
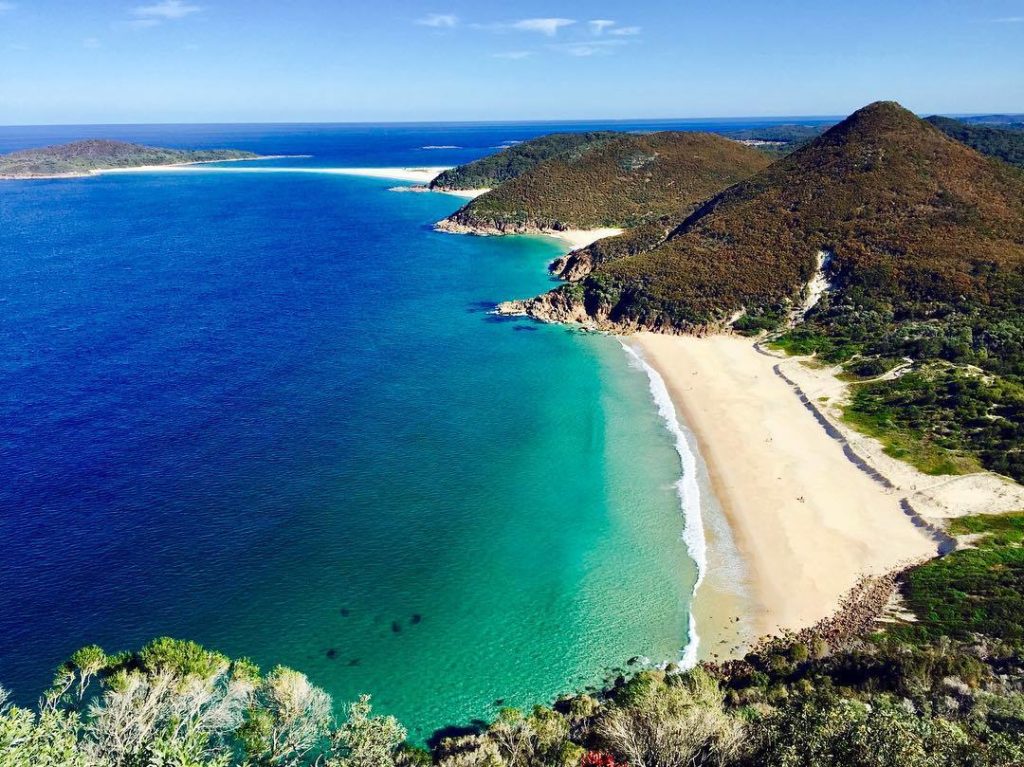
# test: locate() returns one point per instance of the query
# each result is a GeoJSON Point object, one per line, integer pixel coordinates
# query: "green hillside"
{"type": "Point", "coordinates": [82, 157]}
{"type": "Point", "coordinates": [622, 181]}
{"type": "Point", "coordinates": [1002, 142]}
{"type": "Point", "coordinates": [515, 160]}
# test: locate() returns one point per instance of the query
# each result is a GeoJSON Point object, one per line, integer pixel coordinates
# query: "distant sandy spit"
{"type": "Point", "coordinates": [807, 520]}
{"type": "Point", "coordinates": [420, 175]}
{"type": "Point", "coordinates": [174, 166]}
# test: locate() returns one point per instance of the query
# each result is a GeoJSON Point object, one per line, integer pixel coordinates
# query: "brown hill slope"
{"type": "Point", "coordinates": [623, 181]}
{"type": "Point", "coordinates": [908, 215]}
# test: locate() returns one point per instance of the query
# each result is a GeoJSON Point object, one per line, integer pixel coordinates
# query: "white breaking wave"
{"type": "Point", "coordinates": [687, 488]}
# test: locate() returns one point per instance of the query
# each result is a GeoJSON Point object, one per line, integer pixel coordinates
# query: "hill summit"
{"type": "Point", "coordinates": [896, 209]}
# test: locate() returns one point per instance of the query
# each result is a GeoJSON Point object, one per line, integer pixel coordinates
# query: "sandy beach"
{"type": "Point", "coordinates": [573, 238]}
{"type": "Point", "coordinates": [581, 238]}
{"type": "Point", "coordinates": [807, 520]}
{"type": "Point", "coordinates": [468, 194]}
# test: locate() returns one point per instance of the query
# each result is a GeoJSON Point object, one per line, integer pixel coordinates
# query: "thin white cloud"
{"type": "Point", "coordinates": [598, 26]}
{"type": "Point", "coordinates": [92, 43]}
{"type": "Point", "coordinates": [588, 48]}
{"type": "Point", "coordinates": [513, 55]}
{"type": "Point", "coordinates": [625, 31]}
{"type": "Point", "coordinates": [166, 10]}
{"type": "Point", "coordinates": [547, 27]}
{"type": "Point", "coordinates": [439, 20]}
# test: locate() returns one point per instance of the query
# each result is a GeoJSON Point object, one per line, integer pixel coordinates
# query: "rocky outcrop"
{"type": "Point", "coordinates": [460, 223]}
{"type": "Point", "coordinates": [567, 306]}
{"type": "Point", "coordinates": [573, 267]}
{"type": "Point", "coordinates": [555, 306]}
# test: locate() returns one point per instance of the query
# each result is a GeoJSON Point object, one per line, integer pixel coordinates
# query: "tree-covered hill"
{"type": "Point", "coordinates": [909, 216]}
{"type": "Point", "coordinates": [83, 157]}
{"type": "Point", "coordinates": [513, 161]}
{"type": "Point", "coordinates": [621, 181]}
{"type": "Point", "coordinates": [999, 141]}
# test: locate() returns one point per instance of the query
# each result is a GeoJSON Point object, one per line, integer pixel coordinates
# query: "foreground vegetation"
{"type": "Point", "coordinates": [82, 157]}
{"type": "Point", "coordinates": [946, 688]}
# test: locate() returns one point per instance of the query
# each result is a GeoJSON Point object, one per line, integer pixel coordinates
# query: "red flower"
{"type": "Point", "coordinates": [600, 759]}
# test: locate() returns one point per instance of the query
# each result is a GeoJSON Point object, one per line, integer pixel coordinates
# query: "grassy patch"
{"type": "Point", "coordinates": [972, 591]}
{"type": "Point", "coordinates": [904, 443]}
{"type": "Point", "coordinates": [945, 419]}
{"type": "Point", "coordinates": [804, 341]}
{"type": "Point", "coordinates": [863, 368]}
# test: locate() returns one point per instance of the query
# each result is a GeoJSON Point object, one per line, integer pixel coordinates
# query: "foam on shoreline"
{"type": "Point", "coordinates": [687, 488]}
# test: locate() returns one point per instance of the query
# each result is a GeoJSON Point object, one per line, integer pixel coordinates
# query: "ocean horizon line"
{"type": "Point", "coordinates": [432, 123]}
{"type": "Point", "coordinates": [516, 121]}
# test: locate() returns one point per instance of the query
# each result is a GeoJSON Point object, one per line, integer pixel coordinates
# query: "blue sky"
{"type": "Point", "coordinates": [313, 60]}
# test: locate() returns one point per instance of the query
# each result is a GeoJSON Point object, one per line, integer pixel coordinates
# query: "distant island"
{"type": "Point", "coordinates": [84, 158]}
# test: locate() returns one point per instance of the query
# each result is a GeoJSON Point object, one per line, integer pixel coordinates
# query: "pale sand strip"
{"type": "Point", "coordinates": [469, 194]}
{"type": "Point", "coordinates": [421, 175]}
{"type": "Point", "coordinates": [582, 238]}
{"type": "Point", "coordinates": [807, 521]}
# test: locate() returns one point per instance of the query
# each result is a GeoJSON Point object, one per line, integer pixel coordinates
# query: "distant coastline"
{"type": "Point", "coordinates": [142, 168]}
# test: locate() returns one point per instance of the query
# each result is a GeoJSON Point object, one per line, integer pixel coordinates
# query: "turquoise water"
{"type": "Point", "coordinates": [271, 413]}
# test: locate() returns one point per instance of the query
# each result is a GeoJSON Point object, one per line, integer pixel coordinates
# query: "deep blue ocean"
{"type": "Point", "coordinates": [270, 412]}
